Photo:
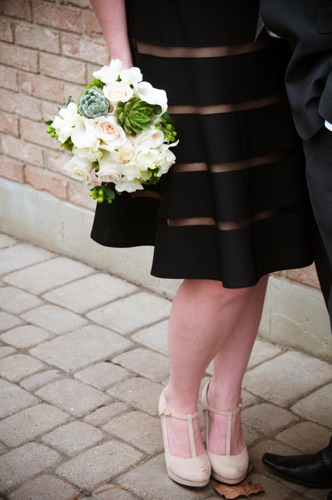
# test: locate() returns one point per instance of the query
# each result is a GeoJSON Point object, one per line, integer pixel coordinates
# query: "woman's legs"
{"type": "Point", "coordinates": [208, 322]}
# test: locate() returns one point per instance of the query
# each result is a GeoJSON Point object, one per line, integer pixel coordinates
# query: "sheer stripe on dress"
{"type": "Point", "coordinates": [170, 52]}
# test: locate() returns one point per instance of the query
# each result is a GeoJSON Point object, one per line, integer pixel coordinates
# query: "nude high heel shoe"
{"type": "Point", "coordinates": [229, 469]}
{"type": "Point", "coordinates": [194, 471]}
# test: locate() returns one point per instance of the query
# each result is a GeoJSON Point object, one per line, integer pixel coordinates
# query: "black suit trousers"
{"type": "Point", "coordinates": [318, 152]}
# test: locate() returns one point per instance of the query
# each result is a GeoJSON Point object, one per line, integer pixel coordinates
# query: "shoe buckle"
{"type": "Point", "coordinates": [167, 412]}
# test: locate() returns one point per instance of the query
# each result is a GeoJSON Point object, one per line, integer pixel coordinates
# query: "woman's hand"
{"type": "Point", "coordinates": [126, 59]}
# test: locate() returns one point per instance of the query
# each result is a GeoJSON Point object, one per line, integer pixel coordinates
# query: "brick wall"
{"type": "Point", "coordinates": [48, 51]}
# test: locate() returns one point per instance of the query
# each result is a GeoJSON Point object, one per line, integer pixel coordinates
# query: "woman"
{"type": "Point", "coordinates": [230, 211]}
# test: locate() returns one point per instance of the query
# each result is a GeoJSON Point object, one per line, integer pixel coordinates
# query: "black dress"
{"type": "Point", "coordinates": [234, 207]}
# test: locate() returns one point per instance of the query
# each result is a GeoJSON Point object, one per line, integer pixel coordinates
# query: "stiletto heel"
{"type": "Point", "coordinates": [229, 469]}
{"type": "Point", "coordinates": [194, 471]}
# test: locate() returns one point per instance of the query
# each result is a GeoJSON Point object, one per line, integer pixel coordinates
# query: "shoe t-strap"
{"type": "Point", "coordinates": [229, 415]}
{"type": "Point", "coordinates": [189, 418]}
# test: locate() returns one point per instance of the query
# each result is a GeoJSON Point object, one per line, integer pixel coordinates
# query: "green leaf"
{"type": "Point", "coordinates": [109, 193]}
{"type": "Point", "coordinates": [127, 122]}
{"type": "Point", "coordinates": [168, 118]}
{"type": "Point", "coordinates": [120, 115]}
{"type": "Point", "coordinates": [95, 82]}
{"type": "Point", "coordinates": [127, 106]}
{"type": "Point", "coordinates": [134, 124]}
{"type": "Point", "coordinates": [145, 126]}
{"type": "Point", "coordinates": [68, 145]}
{"type": "Point", "coordinates": [136, 105]}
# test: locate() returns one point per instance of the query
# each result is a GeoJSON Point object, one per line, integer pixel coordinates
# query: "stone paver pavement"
{"type": "Point", "coordinates": [83, 359]}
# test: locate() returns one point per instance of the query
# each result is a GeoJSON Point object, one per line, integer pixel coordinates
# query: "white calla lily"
{"type": "Point", "coordinates": [132, 76]}
{"type": "Point", "coordinates": [82, 135]}
{"type": "Point", "coordinates": [149, 94]}
{"type": "Point", "coordinates": [109, 158]}
{"type": "Point", "coordinates": [111, 73]}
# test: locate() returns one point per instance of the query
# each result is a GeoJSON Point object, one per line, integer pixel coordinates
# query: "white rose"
{"type": "Point", "coordinates": [79, 169]}
{"type": "Point", "coordinates": [107, 130]}
{"type": "Point", "coordinates": [109, 174]}
{"type": "Point", "coordinates": [109, 167]}
{"type": "Point", "coordinates": [152, 138]}
{"type": "Point", "coordinates": [127, 152]}
{"type": "Point", "coordinates": [126, 155]}
{"type": "Point", "coordinates": [117, 91]}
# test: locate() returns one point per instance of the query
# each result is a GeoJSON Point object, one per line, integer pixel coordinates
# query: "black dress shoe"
{"type": "Point", "coordinates": [313, 470]}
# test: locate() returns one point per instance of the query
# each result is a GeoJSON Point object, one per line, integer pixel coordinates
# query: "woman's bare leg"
{"type": "Point", "coordinates": [205, 318]}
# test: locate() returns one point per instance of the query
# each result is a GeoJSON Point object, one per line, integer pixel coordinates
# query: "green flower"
{"type": "Point", "coordinates": [93, 103]}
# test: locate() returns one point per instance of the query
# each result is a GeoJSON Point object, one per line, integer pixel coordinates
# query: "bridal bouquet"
{"type": "Point", "coordinates": [119, 129]}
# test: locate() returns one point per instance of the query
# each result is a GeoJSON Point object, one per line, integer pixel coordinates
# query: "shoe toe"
{"type": "Point", "coordinates": [230, 469]}
{"type": "Point", "coordinates": [191, 472]}
{"type": "Point", "coordinates": [269, 459]}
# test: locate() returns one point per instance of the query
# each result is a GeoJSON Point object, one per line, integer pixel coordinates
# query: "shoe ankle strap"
{"type": "Point", "coordinates": [225, 413]}
{"type": "Point", "coordinates": [212, 409]}
{"type": "Point", "coordinates": [171, 413]}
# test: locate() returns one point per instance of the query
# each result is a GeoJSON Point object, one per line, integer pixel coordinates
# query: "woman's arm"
{"type": "Point", "coordinates": [111, 15]}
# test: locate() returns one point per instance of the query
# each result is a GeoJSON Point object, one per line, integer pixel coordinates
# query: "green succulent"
{"type": "Point", "coordinates": [93, 103]}
{"type": "Point", "coordinates": [135, 115]}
